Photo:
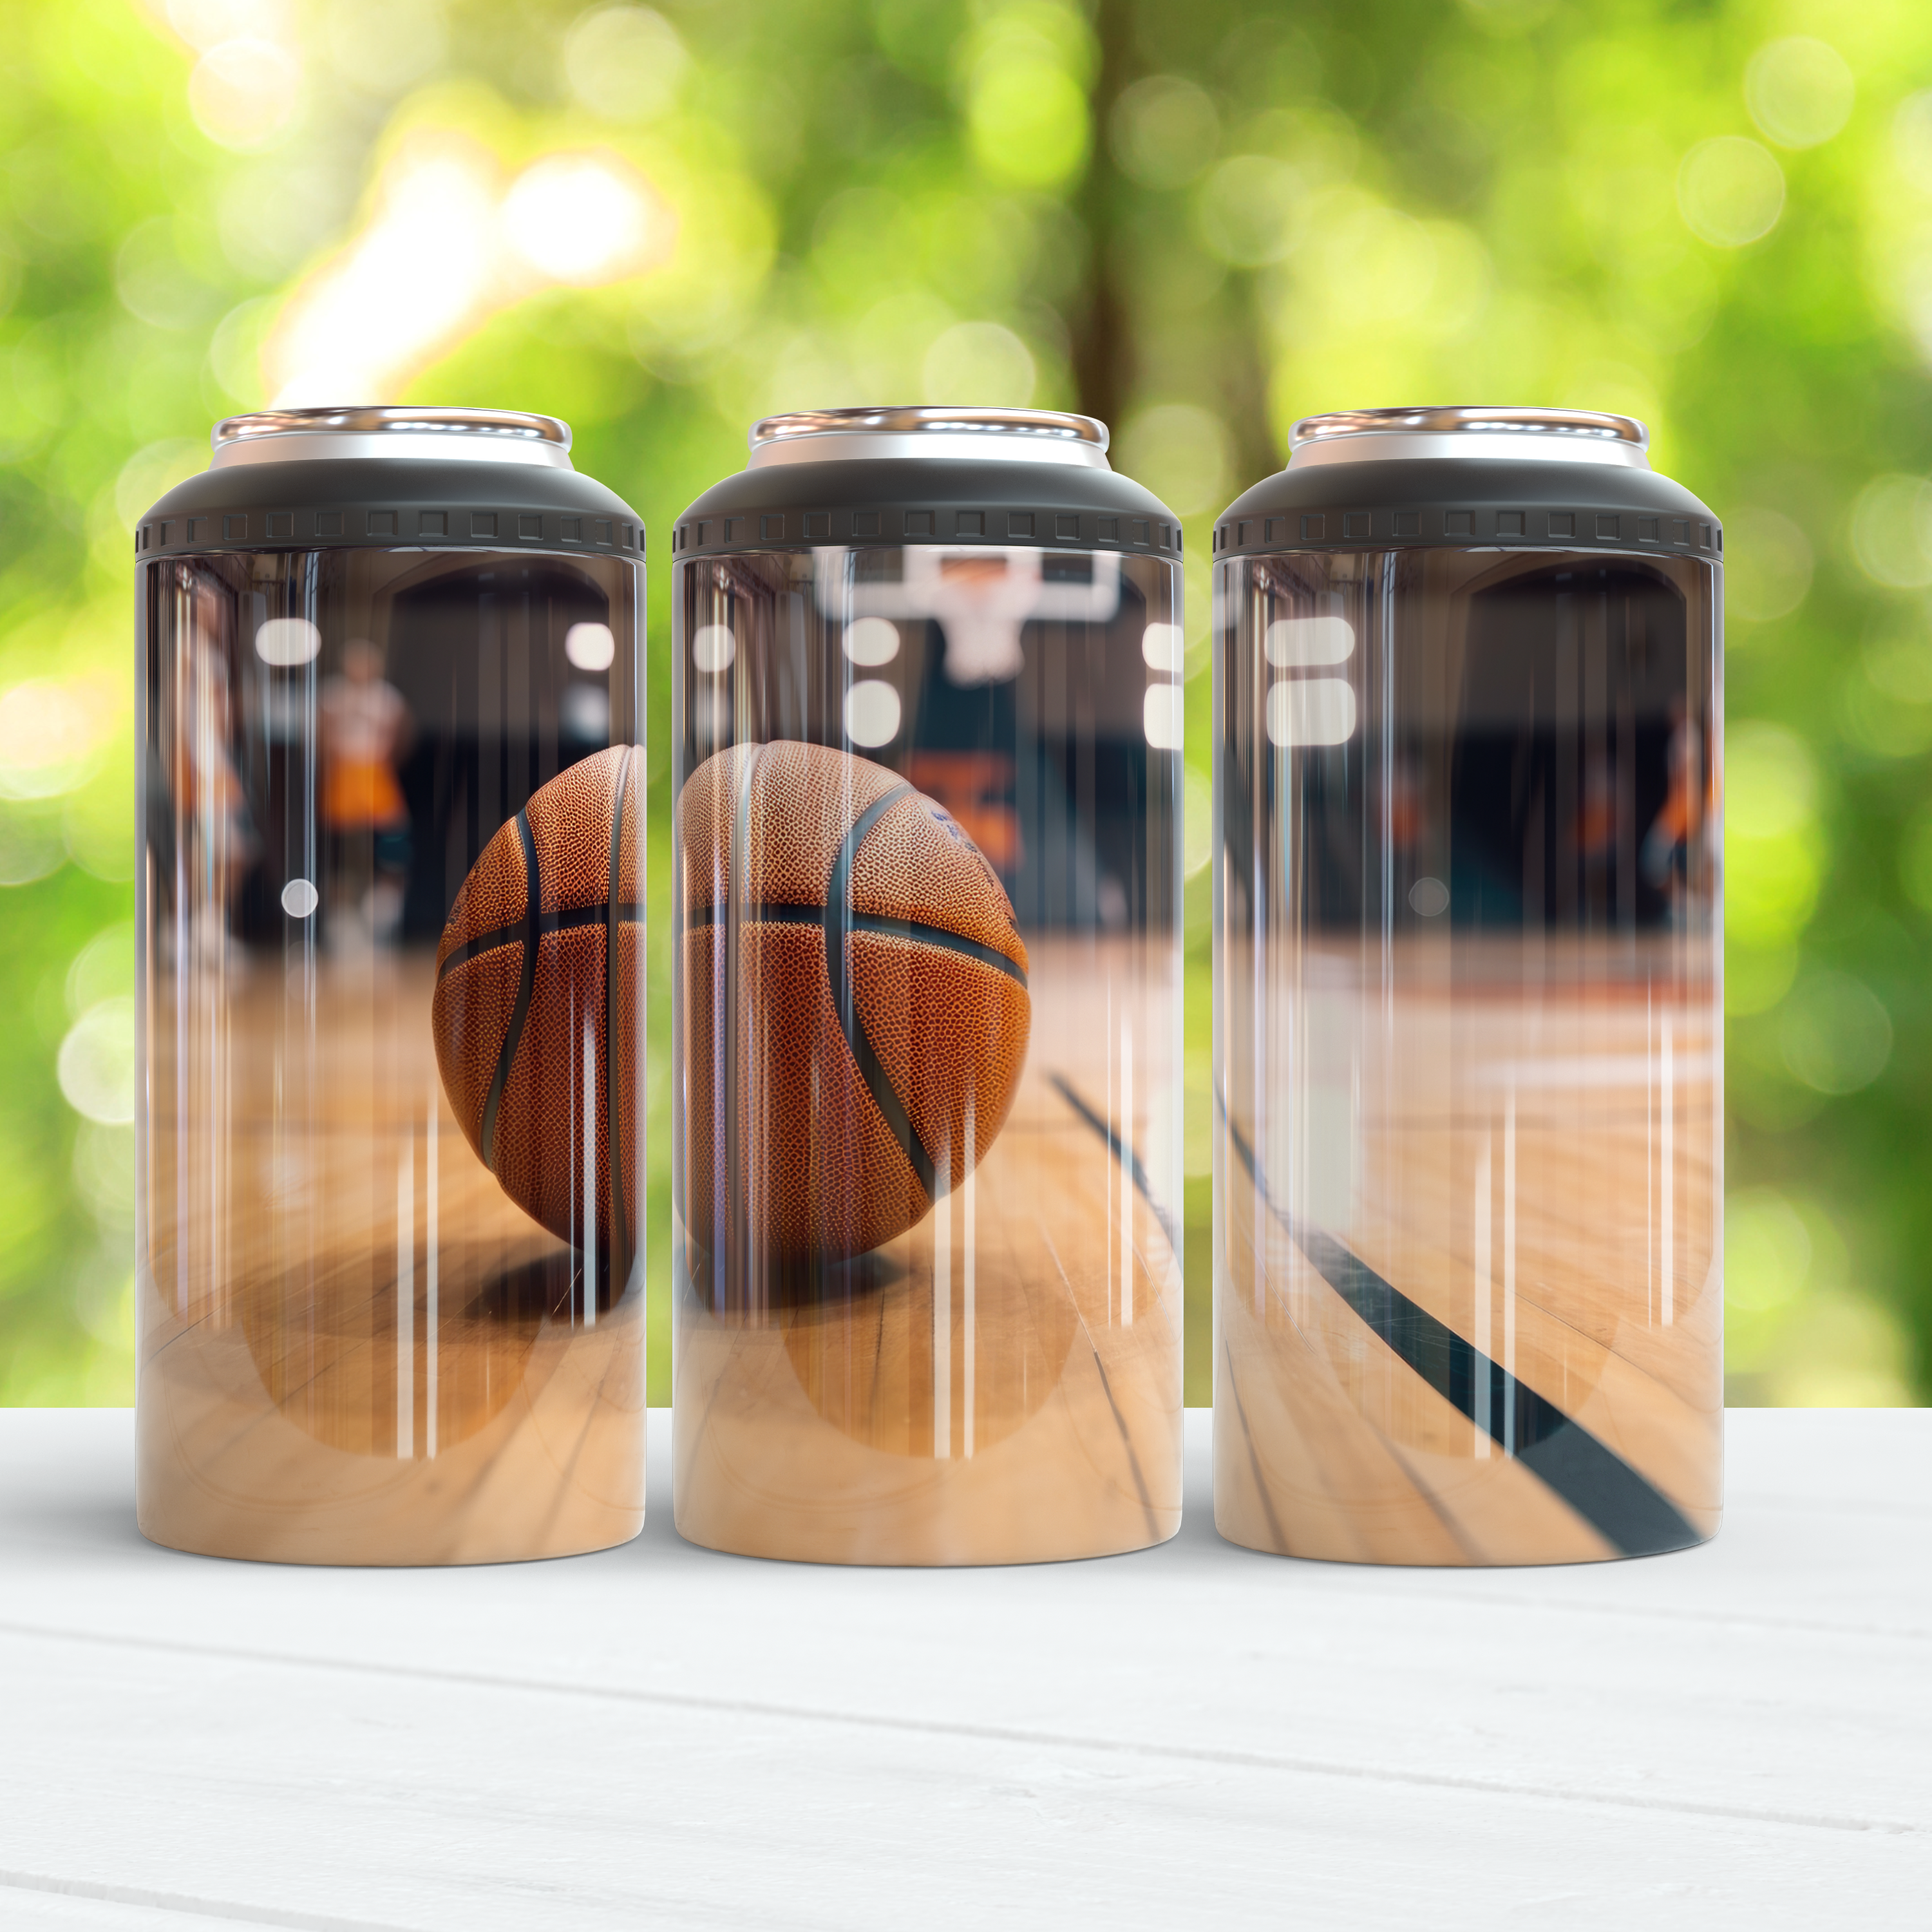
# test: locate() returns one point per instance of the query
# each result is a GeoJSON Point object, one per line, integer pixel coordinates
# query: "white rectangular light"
{"type": "Point", "coordinates": [1165, 647]}
{"type": "Point", "coordinates": [1309, 640]}
{"type": "Point", "coordinates": [1164, 714]}
{"type": "Point", "coordinates": [1310, 711]}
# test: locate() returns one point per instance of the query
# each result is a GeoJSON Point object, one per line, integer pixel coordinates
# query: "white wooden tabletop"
{"type": "Point", "coordinates": [1740, 1735]}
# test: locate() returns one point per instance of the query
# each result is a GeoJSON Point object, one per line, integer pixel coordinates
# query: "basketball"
{"type": "Point", "coordinates": [861, 956]}
{"type": "Point", "coordinates": [538, 1039]}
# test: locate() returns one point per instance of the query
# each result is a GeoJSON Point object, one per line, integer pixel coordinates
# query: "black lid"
{"type": "Point", "coordinates": [1032, 477]}
{"type": "Point", "coordinates": [1566, 479]}
{"type": "Point", "coordinates": [387, 479]}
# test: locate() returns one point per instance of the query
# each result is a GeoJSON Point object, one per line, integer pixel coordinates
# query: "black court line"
{"type": "Point", "coordinates": [769, 913]}
{"type": "Point", "coordinates": [1278, 1539]}
{"type": "Point", "coordinates": [1106, 1389]}
{"type": "Point", "coordinates": [1629, 1512]}
{"type": "Point", "coordinates": [1125, 1155]}
{"type": "Point", "coordinates": [629, 913]}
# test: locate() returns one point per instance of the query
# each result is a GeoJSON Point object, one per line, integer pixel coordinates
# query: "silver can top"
{"type": "Point", "coordinates": [898, 431]}
{"type": "Point", "coordinates": [1434, 431]}
{"type": "Point", "coordinates": [373, 429]}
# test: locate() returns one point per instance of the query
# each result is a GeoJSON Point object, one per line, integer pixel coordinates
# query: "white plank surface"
{"type": "Point", "coordinates": [1740, 1735]}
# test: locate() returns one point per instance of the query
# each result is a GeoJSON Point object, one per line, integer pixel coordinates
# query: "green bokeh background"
{"type": "Point", "coordinates": [1197, 223]}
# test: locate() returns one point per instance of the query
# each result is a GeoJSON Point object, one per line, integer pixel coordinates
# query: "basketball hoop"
{"type": "Point", "coordinates": [981, 597]}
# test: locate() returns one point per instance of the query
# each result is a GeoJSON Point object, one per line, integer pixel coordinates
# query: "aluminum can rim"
{"type": "Point", "coordinates": [331, 430]}
{"type": "Point", "coordinates": [1596, 426]}
{"type": "Point", "coordinates": [1052, 425]}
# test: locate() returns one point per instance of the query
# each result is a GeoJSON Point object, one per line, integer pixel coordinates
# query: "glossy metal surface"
{"type": "Point", "coordinates": [1468, 1278]}
{"type": "Point", "coordinates": [354, 1346]}
{"type": "Point", "coordinates": [1000, 1381]}
{"type": "Point", "coordinates": [1004, 436]}
{"type": "Point", "coordinates": [316, 434]}
{"type": "Point", "coordinates": [1464, 419]}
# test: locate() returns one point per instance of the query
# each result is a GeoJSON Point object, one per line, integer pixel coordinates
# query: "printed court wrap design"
{"type": "Point", "coordinates": [927, 1001]}
{"type": "Point", "coordinates": [392, 976]}
{"type": "Point", "coordinates": [1468, 1065]}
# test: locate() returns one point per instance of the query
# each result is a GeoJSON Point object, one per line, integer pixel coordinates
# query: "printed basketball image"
{"type": "Point", "coordinates": [536, 1013]}
{"type": "Point", "coordinates": [860, 956]}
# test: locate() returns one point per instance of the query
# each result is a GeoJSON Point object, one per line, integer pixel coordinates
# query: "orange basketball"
{"type": "Point", "coordinates": [874, 984]}
{"type": "Point", "coordinates": [538, 1038]}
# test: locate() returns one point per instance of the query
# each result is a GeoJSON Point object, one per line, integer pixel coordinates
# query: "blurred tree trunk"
{"type": "Point", "coordinates": [1117, 362]}
{"type": "Point", "coordinates": [1102, 325]}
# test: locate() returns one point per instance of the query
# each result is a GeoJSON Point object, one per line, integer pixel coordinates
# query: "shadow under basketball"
{"type": "Point", "coordinates": [332, 1359]}
{"type": "Point", "coordinates": [864, 1337]}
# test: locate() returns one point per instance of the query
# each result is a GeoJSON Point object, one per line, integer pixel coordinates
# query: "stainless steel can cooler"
{"type": "Point", "coordinates": [926, 747]}
{"type": "Point", "coordinates": [390, 994]}
{"type": "Point", "coordinates": [1468, 1283]}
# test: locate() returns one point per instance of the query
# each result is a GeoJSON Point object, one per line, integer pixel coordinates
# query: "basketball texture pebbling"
{"type": "Point", "coordinates": [855, 1012]}
{"type": "Point", "coordinates": [536, 1013]}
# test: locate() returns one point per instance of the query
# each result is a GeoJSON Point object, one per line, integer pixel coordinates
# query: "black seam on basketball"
{"type": "Point", "coordinates": [629, 914]}
{"type": "Point", "coordinates": [767, 913]}
{"type": "Point", "coordinates": [879, 927]}
{"type": "Point", "coordinates": [526, 984]}
{"type": "Point", "coordinates": [838, 919]}
{"type": "Point", "coordinates": [1624, 1506]}
{"type": "Point", "coordinates": [620, 1242]}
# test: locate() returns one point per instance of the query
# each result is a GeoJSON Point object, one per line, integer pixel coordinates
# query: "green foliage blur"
{"type": "Point", "coordinates": [1197, 223]}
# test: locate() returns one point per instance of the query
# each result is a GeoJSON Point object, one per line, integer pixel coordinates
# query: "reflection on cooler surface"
{"type": "Point", "coordinates": [994, 1385]}
{"type": "Point", "coordinates": [926, 1174]}
{"type": "Point", "coordinates": [1467, 1272]}
{"type": "Point", "coordinates": [391, 996]}
{"type": "Point", "coordinates": [309, 1188]}
{"type": "Point", "coordinates": [1532, 1178]}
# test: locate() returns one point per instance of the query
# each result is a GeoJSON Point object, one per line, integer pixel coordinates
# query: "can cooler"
{"type": "Point", "coordinates": [926, 745]}
{"type": "Point", "coordinates": [390, 994]}
{"type": "Point", "coordinates": [1469, 1283]}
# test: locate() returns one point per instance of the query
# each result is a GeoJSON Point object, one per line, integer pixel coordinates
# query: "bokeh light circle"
{"type": "Point", "coordinates": [1834, 1032]}
{"type": "Point", "coordinates": [1767, 1250]}
{"type": "Point", "coordinates": [1768, 565]}
{"type": "Point", "coordinates": [1164, 131]}
{"type": "Point", "coordinates": [1028, 119]}
{"type": "Point", "coordinates": [625, 63]}
{"type": "Point", "coordinates": [1248, 209]}
{"type": "Point", "coordinates": [1180, 451]}
{"type": "Point", "coordinates": [1730, 191]}
{"type": "Point", "coordinates": [1770, 781]}
{"type": "Point", "coordinates": [51, 736]}
{"type": "Point", "coordinates": [243, 93]}
{"type": "Point", "coordinates": [96, 1064]}
{"type": "Point", "coordinates": [1799, 90]}
{"type": "Point", "coordinates": [979, 362]}
{"type": "Point", "coordinates": [1891, 531]}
